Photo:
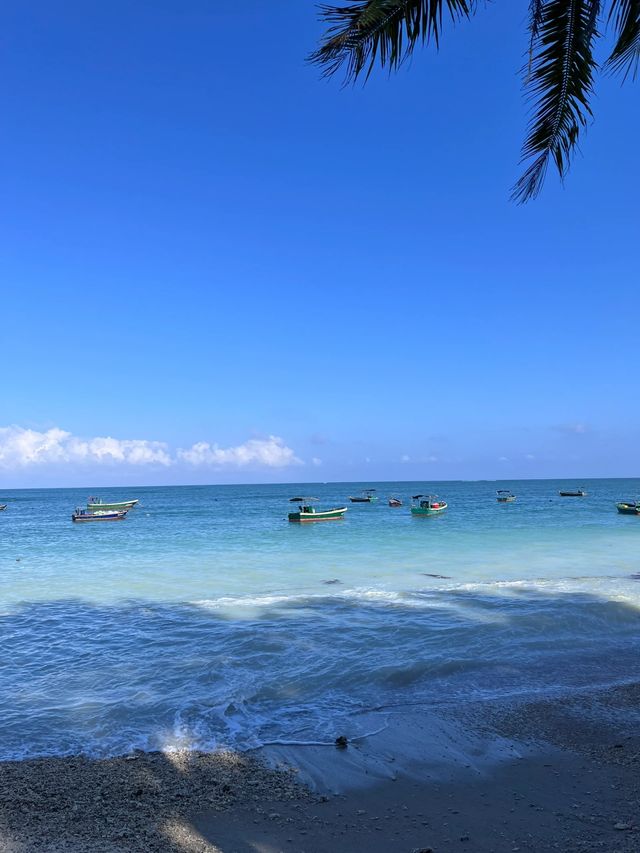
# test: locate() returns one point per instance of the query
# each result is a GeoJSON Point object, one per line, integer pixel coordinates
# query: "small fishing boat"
{"type": "Point", "coordinates": [504, 496]}
{"type": "Point", "coordinates": [3, 506]}
{"type": "Point", "coordinates": [103, 515]}
{"type": "Point", "coordinates": [98, 505]}
{"type": "Point", "coordinates": [573, 493]}
{"type": "Point", "coordinates": [427, 505]}
{"type": "Point", "coordinates": [629, 507]}
{"type": "Point", "coordinates": [306, 512]}
{"type": "Point", "coordinates": [395, 502]}
{"type": "Point", "coordinates": [367, 497]}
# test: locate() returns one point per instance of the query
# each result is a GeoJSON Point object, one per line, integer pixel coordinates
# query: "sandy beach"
{"type": "Point", "coordinates": [559, 774]}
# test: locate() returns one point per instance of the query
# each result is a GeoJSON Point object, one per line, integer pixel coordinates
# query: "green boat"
{"type": "Point", "coordinates": [629, 507]}
{"type": "Point", "coordinates": [427, 505]}
{"type": "Point", "coordinates": [306, 512]}
{"type": "Point", "coordinates": [98, 505]}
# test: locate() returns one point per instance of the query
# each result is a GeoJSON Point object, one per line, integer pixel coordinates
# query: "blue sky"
{"type": "Point", "coordinates": [237, 271]}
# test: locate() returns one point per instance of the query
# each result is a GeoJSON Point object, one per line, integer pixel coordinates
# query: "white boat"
{"type": "Point", "coordinates": [98, 505]}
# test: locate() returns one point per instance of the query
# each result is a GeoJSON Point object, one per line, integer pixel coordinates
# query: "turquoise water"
{"type": "Point", "coordinates": [205, 620]}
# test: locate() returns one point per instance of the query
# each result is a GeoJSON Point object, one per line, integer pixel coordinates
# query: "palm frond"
{"type": "Point", "coordinates": [560, 81]}
{"type": "Point", "coordinates": [383, 30]}
{"type": "Point", "coordinates": [536, 8]}
{"type": "Point", "coordinates": [626, 54]}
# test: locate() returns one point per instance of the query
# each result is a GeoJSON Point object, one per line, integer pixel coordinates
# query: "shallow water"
{"type": "Point", "coordinates": [206, 620]}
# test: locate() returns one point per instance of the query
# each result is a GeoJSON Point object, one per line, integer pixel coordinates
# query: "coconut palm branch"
{"type": "Point", "coordinates": [625, 14]}
{"type": "Point", "coordinates": [560, 81]}
{"type": "Point", "coordinates": [558, 77]}
{"type": "Point", "coordinates": [383, 30]}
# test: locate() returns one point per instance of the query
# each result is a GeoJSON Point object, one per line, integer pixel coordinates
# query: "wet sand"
{"type": "Point", "coordinates": [554, 775]}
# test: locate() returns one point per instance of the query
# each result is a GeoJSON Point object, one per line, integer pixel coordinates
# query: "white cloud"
{"type": "Point", "coordinates": [432, 458]}
{"type": "Point", "coordinates": [405, 458]}
{"type": "Point", "coordinates": [529, 456]}
{"type": "Point", "coordinates": [21, 447]}
{"type": "Point", "coordinates": [315, 461]}
{"type": "Point", "coordinates": [503, 459]}
{"type": "Point", "coordinates": [270, 452]}
{"type": "Point", "coordinates": [573, 429]}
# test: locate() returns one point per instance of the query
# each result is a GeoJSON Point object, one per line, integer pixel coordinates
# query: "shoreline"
{"type": "Point", "coordinates": [555, 774]}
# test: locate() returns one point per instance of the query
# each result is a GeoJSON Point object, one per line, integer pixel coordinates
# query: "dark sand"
{"type": "Point", "coordinates": [555, 775]}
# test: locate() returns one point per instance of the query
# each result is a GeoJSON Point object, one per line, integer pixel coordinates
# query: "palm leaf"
{"type": "Point", "coordinates": [560, 82]}
{"type": "Point", "coordinates": [626, 53]}
{"type": "Point", "coordinates": [383, 30]}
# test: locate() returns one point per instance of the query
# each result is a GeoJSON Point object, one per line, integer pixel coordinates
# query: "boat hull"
{"type": "Point", "coordinates": [80, 518]}
{"type": "Point", "coordinates": [572, 494]}
{"type": "Point", "coordinates": [326, 515]}
{"type": "Point", "coordinates": [116, 506]}
{"type": "Point", "coordinates": [628, 509]}
{"type": "Point", "coordinates": [505, 500]}
{"type": "Point", "coordinates": [423, 511]}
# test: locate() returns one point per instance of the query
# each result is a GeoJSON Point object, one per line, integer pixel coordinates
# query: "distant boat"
{"type": "Point", "coordinates": [98, 505]}
{"type": "Point", "coordinates": [427, 505]}
{"type": "Point", "coordinates": [104, 515]}
{"type": "Point", "coordinates": [3, 506]}
{"type": "Point", "coordinates": [629, 507]}
{"type": "Point", "coordinates": [395, 502]}
{"type": "Point", "coordinates": [573, 493]}
{"type": "Point", "coordinates": [504, 496]}
{"type": "Point", "coordinates": [306, 512]}
{"type": "Point", "coordinates": [367, 497]}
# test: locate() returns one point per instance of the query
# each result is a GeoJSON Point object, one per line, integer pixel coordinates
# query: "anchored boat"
{"type": "Point", "coordinates": [395, 502]}
{"type": "Point", "coordinates": [104, 515]}
{"type": "Point", "coordinates": [573, 493]}
{"type": "Point", "coordinates": [504, 496]}
{"type": "Point", "coordinates": [306, 512]}
{"type": "Point", "coordinates": [367, 497]}
{"type": "Point", "coordinates": [427, 505]}
{"type": "Point", "coordinates": [98, 505]}
{"type": "Point", "coordinates": [629, 507]}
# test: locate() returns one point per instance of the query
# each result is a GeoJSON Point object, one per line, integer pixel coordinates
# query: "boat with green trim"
{"type": "Point", "coordinates": [306, 512]}
{"type": "Point", "coordinates": [427, 505]}
{"type": "Point", "coordinates": [98, 505]}
{"type": "Point", "coordinates": [628, 507]}
{"type": "Point", "coordinates": [504, 496]}
{"type": "Point", "coordinates": [368, 496]}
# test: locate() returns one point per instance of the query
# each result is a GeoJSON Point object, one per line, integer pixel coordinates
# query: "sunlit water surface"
{"type": "Point", "coordinates": [205, 620]}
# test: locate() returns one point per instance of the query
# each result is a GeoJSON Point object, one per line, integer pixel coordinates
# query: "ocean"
{"type": "Point", "coordinates": [206, 621]}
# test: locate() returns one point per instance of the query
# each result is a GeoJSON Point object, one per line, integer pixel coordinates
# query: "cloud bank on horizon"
{"type": "Point", "coordinates": [22, 448]}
